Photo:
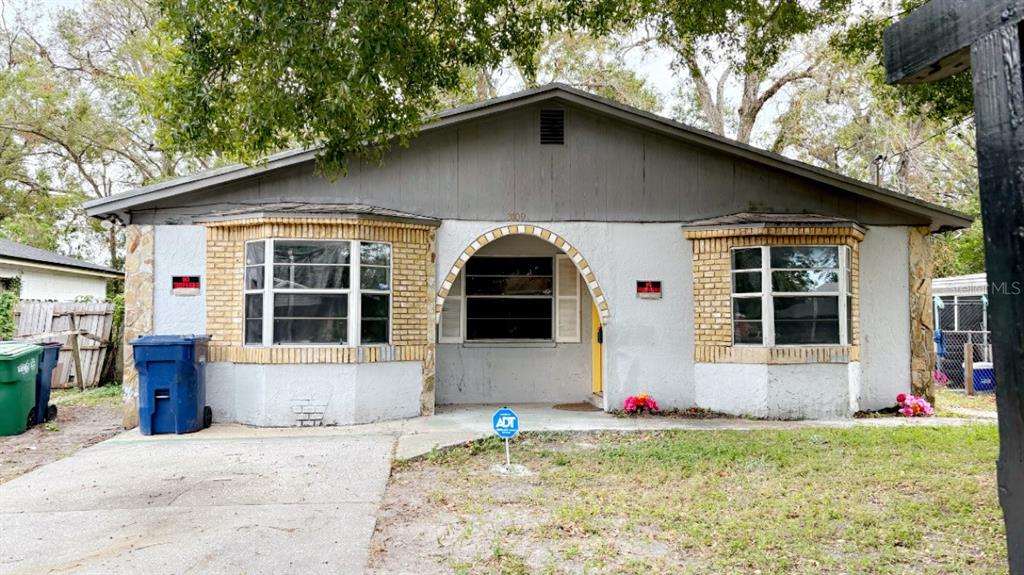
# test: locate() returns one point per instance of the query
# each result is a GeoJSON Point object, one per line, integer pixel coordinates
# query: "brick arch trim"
{"type": "Point", "coordinates": [589, 278]}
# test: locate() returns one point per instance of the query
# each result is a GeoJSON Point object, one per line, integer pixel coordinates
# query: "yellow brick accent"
{"type": "Point", "coordinates": [712, 291]}
{"type": "Point", "coordinates": [412, 257]}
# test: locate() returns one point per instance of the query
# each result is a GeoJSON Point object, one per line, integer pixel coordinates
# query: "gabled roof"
{"type": "Point", "coordinates": [941, 217]}
{"type": "Point", "coordinates": [21, 253]}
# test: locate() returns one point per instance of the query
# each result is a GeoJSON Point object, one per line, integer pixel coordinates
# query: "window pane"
{"type": "Point", "coordinates": [254, 318]}
{"type": "Point", "coordinates": [747, 332]}
{"type": "Point", "coordinates": [509, 266]}
{"type": "Point", "coordinates": [508, 318]}
{"type": "Point", "coordinates": [329, 331]}
{"type": "Point", "coordinates": [746, 282]}
{"type": "Point", "coordinates": [254, 331]}
{"type": "Point", "coordinates": [810, 280]}
{"type": "Point", "coordinates": [311, 277]}
{"type": "Point", "coordinates": [805, 257]}
{"type": "Point", "coordinates": [517, 285]}
{"type": "Point", "coordinates": [806, 320]}
{"type": "Point", "coordinates": [310, 306]}
{"type": "Point", "coordinates": [849, 320]}
{"type": "Point", "coordinates": [375, 254]}
{"type": "Point", "coordinates": [254, 277]}
{"type": "Point", "coordinates": [496, 308]}
{"type": "Point", "coordinates": [308, 252]}
{"type": "Point", "coordinates": [254, 306]}
{"type": "Point", "coordinates": [375, 278]}
{"type": "Point", "coordinates": [374, 331]}
{"type": "Point", "coordinates": [746, 259]}
{"type": "Point", "coordinates": [375, 306]}
{"type": "Point", "coordinates": [254, 253]}
{"type": "Point", "coordinates": [746, 308]}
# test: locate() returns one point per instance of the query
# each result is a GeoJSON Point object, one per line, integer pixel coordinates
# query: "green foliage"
{"type": "Point", "coordinates": [8, 303]}
{"type": "Point", "coordinates": [948, 99]}
{"type": "Point", "coordinates": [251, 77]}
{"type": "Point", "coordinates": [758, 33]}
{"type": "Point", "coordinates": [961, 252]}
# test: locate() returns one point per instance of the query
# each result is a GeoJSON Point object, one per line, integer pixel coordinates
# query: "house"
{"type": "Point", "coordinates": [547, 246]}
{"type": "Point", "coordinates": [46, 275]}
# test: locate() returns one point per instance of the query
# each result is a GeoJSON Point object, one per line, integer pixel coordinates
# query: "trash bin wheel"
{"type": "Point", "coordinates": [207, 416]}
{"type": "Point", "coordinates": [51, 412]}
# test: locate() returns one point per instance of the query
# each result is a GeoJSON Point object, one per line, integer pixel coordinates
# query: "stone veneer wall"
{"type": "Point", "coordinates": [922, 361]}
{"type": "Point", "coordinates": [712, 285]}
{"type": "Point", "coordinates": [138, 310]}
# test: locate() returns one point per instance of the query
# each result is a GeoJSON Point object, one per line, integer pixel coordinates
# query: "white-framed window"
{"type": "Point", "coordinates": [513, 299]}
{"type": "Point", "coordinates": [791, 295]}
{"type": "Point", "coordinates": [304, 292]}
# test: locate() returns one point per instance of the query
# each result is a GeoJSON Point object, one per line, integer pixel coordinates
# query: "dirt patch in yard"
{"type": "Point", "coordinates": [82, 420]}
{"type": "Point", "coordinates": [807, 501]}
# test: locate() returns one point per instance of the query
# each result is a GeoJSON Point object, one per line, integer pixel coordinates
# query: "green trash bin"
{"type": "Point", "coordinates": [18, 365]}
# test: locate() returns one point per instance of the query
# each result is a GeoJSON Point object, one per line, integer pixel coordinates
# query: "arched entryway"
{"type": "Point", "coordinates": [516, 325]}
{"type": "Point", "coordinates": [589, 278]}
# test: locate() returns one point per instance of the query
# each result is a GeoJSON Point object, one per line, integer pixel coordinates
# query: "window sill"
{"type": "Point", "coordinates": [509, 344]}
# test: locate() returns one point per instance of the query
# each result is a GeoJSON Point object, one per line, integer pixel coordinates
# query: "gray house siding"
{"type": "Point", "coordinates": [494, 168]}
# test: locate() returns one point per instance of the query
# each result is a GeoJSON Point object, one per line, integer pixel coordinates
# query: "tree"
{"type": "Point", "coordinates": [72, 120]}
{"type": "Point", "coordinates": [716, 43]}
{"type": "Point", "coordinates": [847, 123]}
{"type": "Point", "coordinates": [250, 77]}
{"type": "Point", "coordinates": [596, 64]}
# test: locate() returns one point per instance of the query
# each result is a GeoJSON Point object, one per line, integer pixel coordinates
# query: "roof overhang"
{"type": "Point", "coordinates": [941, 218]}
{"type": "Point", "coordinates": [60, 268]}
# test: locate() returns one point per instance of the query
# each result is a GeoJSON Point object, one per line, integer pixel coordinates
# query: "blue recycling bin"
{"type": "Point", "coordinates": [44, 377]}
{"type": "Point", "coordinates": [172, 383]}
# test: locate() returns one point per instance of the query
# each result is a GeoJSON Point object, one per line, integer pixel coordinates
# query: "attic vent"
{"type": "Point", "coordinates": [552, 127]}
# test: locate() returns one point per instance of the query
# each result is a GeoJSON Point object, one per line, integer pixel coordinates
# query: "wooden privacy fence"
{"type": "Point", "coordinates": [85, 326]}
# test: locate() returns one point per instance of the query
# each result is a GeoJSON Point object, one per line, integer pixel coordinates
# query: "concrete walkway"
{"type": "Point", "coordinates": [199, 504]}
{"type": "Point", "coordinates": [239, 499]}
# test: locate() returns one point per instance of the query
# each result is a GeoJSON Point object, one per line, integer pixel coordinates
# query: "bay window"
{"type": "Point", "coordinates": [791, 295]}
{"type": "Point", "coordinates": [303, 292]}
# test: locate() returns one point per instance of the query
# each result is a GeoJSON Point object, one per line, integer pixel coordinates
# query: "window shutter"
{"type": "Point", "coordinates": [567, 300]}
{"type": "Point", "coordinates": [451, 313]}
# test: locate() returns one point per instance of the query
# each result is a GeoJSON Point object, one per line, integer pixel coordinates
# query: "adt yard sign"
{"type": "Point", "coordinates": [506, 423]}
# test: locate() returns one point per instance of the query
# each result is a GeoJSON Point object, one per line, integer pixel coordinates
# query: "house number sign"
{"type": "Point", "coordinates": [185, 285]}
{"type": "Point", "coordinates": [648, 289]}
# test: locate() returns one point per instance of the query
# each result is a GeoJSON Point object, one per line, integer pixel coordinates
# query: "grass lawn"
{"type": "Point", "coordinates": [979, 401]}
{"type": "Point", "coordinates": [864, 500]}
{"type": "Point", "coordinates": [105, 396]}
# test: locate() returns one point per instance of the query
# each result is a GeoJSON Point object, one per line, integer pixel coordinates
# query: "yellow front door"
{"type": "Point", "coordinates": [597, 344]}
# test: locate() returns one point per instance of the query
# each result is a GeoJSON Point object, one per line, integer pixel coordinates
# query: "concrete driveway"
{"type": "Point", "coordinates": [194, 504]}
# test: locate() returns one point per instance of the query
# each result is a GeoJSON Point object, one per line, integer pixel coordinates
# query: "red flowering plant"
{"type": "Point", "coordinates": [913, 406]}
{"type": "Point", "coordinates": [637, 404]}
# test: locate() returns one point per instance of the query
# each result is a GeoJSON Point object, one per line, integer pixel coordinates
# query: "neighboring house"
{"type": "Point", "coordinates": [547, 246]}
{"type": "Point", "coordinates": [46, 275]}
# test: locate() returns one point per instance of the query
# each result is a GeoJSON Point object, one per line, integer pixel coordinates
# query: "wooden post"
{"type": "Point", "coordinates": [76, 354]}
{"type": "Point", "coordinates": [969, 368]}
{"type": "Point", "coordinates": [935, 41]}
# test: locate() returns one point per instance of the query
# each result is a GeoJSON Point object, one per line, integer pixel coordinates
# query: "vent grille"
{"type": "Point", "coordinates": [552, 127]}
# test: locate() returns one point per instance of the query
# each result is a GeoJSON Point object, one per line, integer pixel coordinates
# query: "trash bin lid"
{"type": "Point", "coordinates": [169, 339]}
{"type": "Point", "coordinates": [10, 350]}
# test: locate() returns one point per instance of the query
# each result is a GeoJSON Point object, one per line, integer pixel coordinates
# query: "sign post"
{"type": "Point", "coordinates": [506, 426]}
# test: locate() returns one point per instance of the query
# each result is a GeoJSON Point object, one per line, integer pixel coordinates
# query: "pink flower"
{"type": "Point", "coordinates": [907, 412]}
{"type": "Point", "coordinates": [901, 398]}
